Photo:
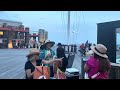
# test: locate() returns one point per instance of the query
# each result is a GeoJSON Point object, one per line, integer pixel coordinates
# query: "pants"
{"type": "Point", "coordinates": [51, 71]}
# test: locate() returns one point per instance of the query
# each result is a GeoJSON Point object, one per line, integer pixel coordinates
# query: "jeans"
{"type": "Point", "coordinates": [51, 71]}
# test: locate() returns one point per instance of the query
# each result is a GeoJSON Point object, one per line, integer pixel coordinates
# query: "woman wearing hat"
{"type": "Point", "coordinates": [33, 60]}
{"type": "Point", "coordinates": [98, 65]}
{"type": "Point", "coordinates": [48, 54]}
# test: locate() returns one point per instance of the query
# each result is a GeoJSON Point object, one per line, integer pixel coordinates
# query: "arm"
{"type": "Point", "coordinates": [88, 64]}
{"type": "Point", "coordinates": [51, 61]}
{"type": "Point", "coordinates": [48, 62]}
{"type": "Point", "coordinates": [86, 68]}
{"type": "Point", "coordinates": [29, 74]}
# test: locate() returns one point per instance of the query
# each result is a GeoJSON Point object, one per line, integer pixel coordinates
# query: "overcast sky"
{"type": "Point", "coordinates": [55, 22]}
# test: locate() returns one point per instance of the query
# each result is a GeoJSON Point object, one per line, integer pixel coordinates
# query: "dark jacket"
{"type": "Point", "coordinates": [61, 53]}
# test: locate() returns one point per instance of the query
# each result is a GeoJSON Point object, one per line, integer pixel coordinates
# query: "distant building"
{"type": "Point", "coordinates": [12, 33]}
{"type": "Point", "coordinates": [10, 23]}
{"type": "Point", "coordinates": [43, 35]}
{"type": "Point", "coordinates": [46, 35]}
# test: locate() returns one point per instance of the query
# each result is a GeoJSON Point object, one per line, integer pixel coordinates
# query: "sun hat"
{"type": "Point", "coordinates": [48, 41]}
{"type": "Point", "coordinates": [100, 50]}
{"type": "Point", "coordinates": [33, 51]}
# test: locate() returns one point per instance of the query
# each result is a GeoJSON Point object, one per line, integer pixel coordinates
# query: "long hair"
{"type": "Point", "coordinates": [104, 63]}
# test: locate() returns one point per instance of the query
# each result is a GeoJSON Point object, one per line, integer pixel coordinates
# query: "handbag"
{"type": "Point", "coordinates": [60, 75]}
{"type": "Point", "coordinates": [92, 77]}
{"type": "Point", "coordinates": [41, 72]}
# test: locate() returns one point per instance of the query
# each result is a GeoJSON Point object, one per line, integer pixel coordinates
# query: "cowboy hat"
{"type": "Point", "coordinates": [100, 50]}
{"type": "Point", "coordinates": [48, 41]}
{"type": "Point", "coordinates": [33, 51]}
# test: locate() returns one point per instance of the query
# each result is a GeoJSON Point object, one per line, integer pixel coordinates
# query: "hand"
{"type": "Point", "coordinates": [58, 60]}
{"type": "Point", "coordinates": [48, 55]}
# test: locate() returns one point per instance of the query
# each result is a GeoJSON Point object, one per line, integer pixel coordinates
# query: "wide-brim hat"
{"type": "Point", "coordinates": [100, 50]}
{"type": "Point", "coordinates": [33, 51]}
{"type": "Point", "coordinates": [48, 41]}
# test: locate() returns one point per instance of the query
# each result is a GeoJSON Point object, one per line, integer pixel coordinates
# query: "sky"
{"type": "Point", "coordinates": [83, 23]}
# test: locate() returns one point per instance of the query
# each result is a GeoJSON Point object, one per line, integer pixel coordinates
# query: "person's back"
{"type": "Point", "coordinates": [98, 65]}
{"type": "Point", "coordinates": [94, 65]}
{"type": "Point", "coordinates": [60, 54]}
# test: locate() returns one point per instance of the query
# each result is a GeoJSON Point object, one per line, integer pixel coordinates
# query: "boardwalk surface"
{"type": "Point", "coordinates": [12, 63]}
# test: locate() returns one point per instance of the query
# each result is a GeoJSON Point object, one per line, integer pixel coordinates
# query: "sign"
{"type": "Point", "coordinates": [1, 33]}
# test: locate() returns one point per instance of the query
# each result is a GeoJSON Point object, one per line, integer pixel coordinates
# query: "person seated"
{"type": "Point", "coordinates": [33, 61]}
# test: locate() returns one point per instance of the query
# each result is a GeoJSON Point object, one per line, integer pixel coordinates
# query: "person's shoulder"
{"type": "Point", "coordinates": [28, 62]}
{"type": "Point", "coordinates": [91, 58]}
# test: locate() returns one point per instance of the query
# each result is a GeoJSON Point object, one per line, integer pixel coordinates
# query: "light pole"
{"type": "Point", "coordinates": [68, 27]}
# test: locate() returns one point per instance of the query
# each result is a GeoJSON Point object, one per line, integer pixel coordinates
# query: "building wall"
{"type": "Point", "coordinates": [106, 34]}
{"type": "Point", "coordinates": [10, 23]}
{"type": "Point", "coordinates": [46, 35]}
{"type": "Point", "coordinates": [41, 35]}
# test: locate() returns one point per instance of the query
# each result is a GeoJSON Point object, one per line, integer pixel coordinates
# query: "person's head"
{"type": "Point", "coordinates": [59, 44]}
{"type": "Point", "coordinates": [48, 44]}
{"type": "Point", "coordinates": [33, 55]}
{"type": "Point", "coordinates": [100, 54]}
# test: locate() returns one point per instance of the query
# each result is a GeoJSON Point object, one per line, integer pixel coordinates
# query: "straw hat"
{"type": "Point", "coordinates": [100, 50]}
{"type": "Point", "coordinates": [48, 41]}
{"type": "Point", "coordinates": [33, 51]}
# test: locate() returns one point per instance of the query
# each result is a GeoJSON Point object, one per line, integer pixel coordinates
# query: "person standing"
{"type": "Point", "coordinates": [98, 65]}
{"type": "Point", "coordinates": [61, 54]}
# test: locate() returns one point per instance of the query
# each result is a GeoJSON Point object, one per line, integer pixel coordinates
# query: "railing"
{"type": "Point", "coordinates": [115, 71]}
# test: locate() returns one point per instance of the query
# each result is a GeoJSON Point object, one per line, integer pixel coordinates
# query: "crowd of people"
{"type": "Point", "coordinates": [47, 57]}
{"type": "Point", "coordinates": [96, 67]}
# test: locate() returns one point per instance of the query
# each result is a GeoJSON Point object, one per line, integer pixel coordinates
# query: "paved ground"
{"type": "Point", "coordinates": [12, 63]}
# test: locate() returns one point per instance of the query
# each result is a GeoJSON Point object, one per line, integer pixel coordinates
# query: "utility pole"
{"type": "Point", "coordinates": [68, 28]}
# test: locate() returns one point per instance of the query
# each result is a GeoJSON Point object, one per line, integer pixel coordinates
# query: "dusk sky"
{"type": "Point", "coordinates": [55, 22]}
